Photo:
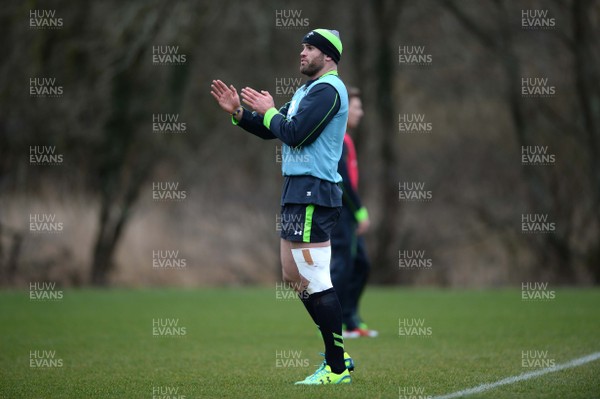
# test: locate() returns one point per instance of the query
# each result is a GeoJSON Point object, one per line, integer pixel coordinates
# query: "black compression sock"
{"type": "Point", "coordinates": [305, 298]}
{"type": "Point", "coordinates": [327, 313]}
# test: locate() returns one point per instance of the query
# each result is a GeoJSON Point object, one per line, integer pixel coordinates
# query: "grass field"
{"type": "Point", "coordinates": [237, 343]}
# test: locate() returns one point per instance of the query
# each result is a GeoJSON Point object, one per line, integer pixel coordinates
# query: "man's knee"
{"type": "Point", "coordinates": [295, 281]}
{"type": "Point", "coordinates": [313, 266]}
{"type": "Point", "coordinates": [289, 277]}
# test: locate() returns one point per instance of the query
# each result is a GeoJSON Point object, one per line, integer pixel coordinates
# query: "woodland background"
{"type": "Point", "coordinates": [225, 228]}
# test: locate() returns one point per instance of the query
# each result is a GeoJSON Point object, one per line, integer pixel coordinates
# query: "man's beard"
{"type": "Point", "coordinates": [313, 67]}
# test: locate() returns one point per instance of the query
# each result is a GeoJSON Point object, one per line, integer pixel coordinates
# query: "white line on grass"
{"type": "Point", "coordinates": [522, 377]}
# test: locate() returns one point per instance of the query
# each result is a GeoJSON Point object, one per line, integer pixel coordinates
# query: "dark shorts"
{"type": "Point", "coordinates": [307, 222]}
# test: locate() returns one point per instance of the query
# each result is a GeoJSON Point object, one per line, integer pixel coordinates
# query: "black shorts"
{"type": "Point", "coordinates": [307, 222]}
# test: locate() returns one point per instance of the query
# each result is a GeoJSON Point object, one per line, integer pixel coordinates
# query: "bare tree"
{"type": "Point", "coordinates": [386, 14]}
{"type": "Point", "coordinates": [587, 77]}
{"type": "Point", "coordinates": [543, 192]}
{"type": "Point", "coordinates": [123, 168]}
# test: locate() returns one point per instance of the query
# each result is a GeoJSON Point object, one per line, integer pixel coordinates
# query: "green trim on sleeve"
{"type": "Point", "coordinates": [271, 112]}
{"type": "Point", "coordinates": [361, 214]}
{"type": "Point", "coordinates": [234, 121]}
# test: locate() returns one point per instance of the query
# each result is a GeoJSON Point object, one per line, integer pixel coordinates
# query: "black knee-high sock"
{"type": "Point", "coordinates": [327, 314]}
{"type": "Point", "coordinates": [305, 298]}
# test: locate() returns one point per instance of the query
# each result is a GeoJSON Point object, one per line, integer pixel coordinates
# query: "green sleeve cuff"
{"type": "Point", "coordinates": [235, 121]}
{"type": "Point", "coordinates": [271, 112]}
{"type": "Point", "coordinates": [361, 214]}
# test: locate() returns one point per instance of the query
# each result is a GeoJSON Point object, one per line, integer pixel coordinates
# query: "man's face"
{"type": "Point", "coordinates": [312, 60]}
{"type": "Point", "coordinates": [355, 112]}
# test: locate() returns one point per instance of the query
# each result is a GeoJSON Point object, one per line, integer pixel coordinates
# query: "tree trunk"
{"type": "Point", "coordinates": [119, 193]}
{"type": "Point", "coordinates": [587, 94]}
{"type": "Point", "coordinates": [386, 15]}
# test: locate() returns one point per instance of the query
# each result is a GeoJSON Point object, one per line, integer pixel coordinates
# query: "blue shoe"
{"type": "Point", "coordinates": [324, 376]}
{"type": "Point", "coordinates": [347, 361]}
